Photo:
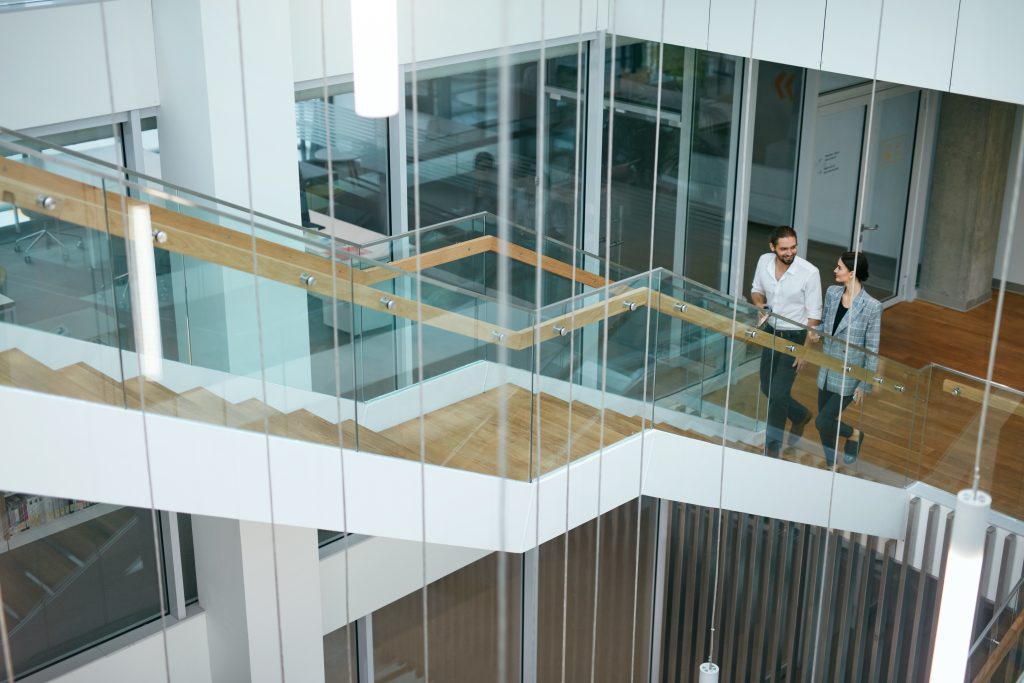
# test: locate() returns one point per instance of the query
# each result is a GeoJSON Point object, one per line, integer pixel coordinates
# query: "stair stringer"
{"type": "Point", "coordinates": [108, 454]}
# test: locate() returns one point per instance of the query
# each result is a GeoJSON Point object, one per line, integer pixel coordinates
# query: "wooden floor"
{"type": "Point", "coordinates": [917, 333]}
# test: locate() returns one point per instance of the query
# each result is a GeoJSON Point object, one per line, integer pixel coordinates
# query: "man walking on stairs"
{"type": "Point", "coordinates": [789, 287]}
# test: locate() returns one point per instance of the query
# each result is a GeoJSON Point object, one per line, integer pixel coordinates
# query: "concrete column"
{"type": "Point", "coordinates": [246, 603]}
{"type": "Point", "coordinates": [966, 201]}
{"type": "Point", "coordinates": [203, 119]}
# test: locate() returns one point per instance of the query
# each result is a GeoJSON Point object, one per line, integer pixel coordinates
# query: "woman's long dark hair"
{"type": "Point", "coordinates": [856, 261]}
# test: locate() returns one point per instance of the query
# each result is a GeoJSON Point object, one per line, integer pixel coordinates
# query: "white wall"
{"type": "Point", "coordinates": [444, 28]}
{"type": "Point", "coordinates": [916, 46]}
{"type": "Point", "coordinates": [52, 60]}
{"type": "Point", "coordinates": [141, 660]}
{"type": "Point", "coordinates": [53, 68]}
{"type": "Point", "coordinates": [372, 572]}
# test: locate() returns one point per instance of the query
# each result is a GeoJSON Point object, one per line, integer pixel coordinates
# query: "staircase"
{"type": "Point", "coordinates": [464, 435]}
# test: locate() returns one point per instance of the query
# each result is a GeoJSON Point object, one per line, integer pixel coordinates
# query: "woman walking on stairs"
{"type": "Point", "coordinates": [850, 315]}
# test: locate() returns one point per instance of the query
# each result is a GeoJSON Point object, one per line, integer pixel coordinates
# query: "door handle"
{"type": "Point", "coordinates": [868, 228]}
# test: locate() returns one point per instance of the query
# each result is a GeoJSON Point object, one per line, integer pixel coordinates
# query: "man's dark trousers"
{"type": "Point", "coordinates": [777, 377]}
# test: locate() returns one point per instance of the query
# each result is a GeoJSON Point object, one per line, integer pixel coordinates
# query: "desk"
{"type": "Point", "coordinates": [6, 309]}
{"type": "Point", "coordinates": [350, 232]}
{"type": "Point", "coordinates": [346, 156]}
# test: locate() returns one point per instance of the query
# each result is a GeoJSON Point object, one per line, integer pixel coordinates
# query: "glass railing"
{"type": "Point", "coordinates": [73, 574]}
{"type": "Point", "coordinates": [272, 339]}
{"type": "Point", "coordinates": [466, 251]}
{"type": "Point", "coordinates": [950, 440]}
{"type": "Point", "coordinates": [997, 653]}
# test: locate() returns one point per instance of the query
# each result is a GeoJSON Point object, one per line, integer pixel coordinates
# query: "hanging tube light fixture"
{"type": "Point", "coordinates": [142, 282]}
{"type": "Point", "coordinates": [708, 673]}
{"type": "Point", "coordinates": [375, 57]}
{"type": "Point", "coordinates": [960, 587]}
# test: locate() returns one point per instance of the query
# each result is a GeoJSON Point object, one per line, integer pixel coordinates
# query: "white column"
{"type": "Point", "coordinates": [257, 600]}
{"type": "Point", "coordinates": [206, 118]}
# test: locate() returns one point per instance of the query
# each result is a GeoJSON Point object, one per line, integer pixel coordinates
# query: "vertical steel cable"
{"type": "Point", "coordinates": [1007, 250]}
{"type": "Point", "coordinates": [6, 643]}
{"type": "Point", "coordinates": [419, 329]}
{"type": "Point", "coordinates": [647, 343]}
{"type": "Point", "coordinates": [577, 163]}
{"type": "Point", "coordinates": [503, 280]}
{"type": "Point", "coordinates": [749, 91]}
{"type": "Point", "coordinates": [604, 339]}
{"type": "Point", "coordinates": [259, 329]}
{"type": "Point", "coordinates": [329, 148]}
{"type": "Point", "coordinates": [539, 199]}
{"type": "Point", "coordinates": [157, 555]}
{"type": "Point", "coordinates": [859, 219]}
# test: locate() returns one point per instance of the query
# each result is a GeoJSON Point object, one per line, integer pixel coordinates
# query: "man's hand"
{"type": "Point", "coordinates": [762, 315]}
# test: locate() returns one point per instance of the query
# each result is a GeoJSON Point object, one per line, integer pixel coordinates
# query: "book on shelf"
{"type": "Point", "coordinates": [19, 512]}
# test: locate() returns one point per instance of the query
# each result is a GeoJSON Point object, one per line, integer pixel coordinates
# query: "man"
{"type": "Point", "coordinates": [790, 287]}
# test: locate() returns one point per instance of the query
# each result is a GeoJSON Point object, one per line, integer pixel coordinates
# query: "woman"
{"type": "Point", "coordinates": [850, 314]}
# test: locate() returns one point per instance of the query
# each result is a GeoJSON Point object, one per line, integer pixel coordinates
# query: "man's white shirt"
{"type": "Point", "coordinates": [795, 296]}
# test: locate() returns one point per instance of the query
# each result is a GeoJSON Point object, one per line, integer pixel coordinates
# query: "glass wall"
{"type": "Point", "coordinates": [73, 574]}
{"type": "Point", "coordinates": [336, 146]}
{"type": "Point", "coordinates": [774, 158]}
{"type": "Point", "coordinates": [694, 181]}
{"type": "Point", "coordinates": [456, 124]}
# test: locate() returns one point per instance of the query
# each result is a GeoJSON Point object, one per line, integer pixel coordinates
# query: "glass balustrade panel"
{"type": "Point", "coordinates": [474, 356]}
{"type": "Point", "coordinates": [686, 355]}
{"type": "Point", "coordinates": [63, 300]}
{"type": "Point", "coordinates": [951, 437]}
{"type": "Point", "coordinates": [74, 574]}
{"type": "Point", "coordinates": [592, 352]}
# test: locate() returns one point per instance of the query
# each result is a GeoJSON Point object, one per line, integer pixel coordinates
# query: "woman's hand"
{"type": "Point", "coordinates": [858, 395]}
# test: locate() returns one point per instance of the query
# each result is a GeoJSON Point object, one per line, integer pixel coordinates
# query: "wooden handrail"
{"type": "Point", "coordinates": [1003, 403]}
{"type": "Point", "coordinates": [92, 207]}
{"type": "Point", "coordinates": [1006, 643]}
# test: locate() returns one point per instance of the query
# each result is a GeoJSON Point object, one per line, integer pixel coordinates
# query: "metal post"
{"type": "Point", "coordinates": [364, 649]}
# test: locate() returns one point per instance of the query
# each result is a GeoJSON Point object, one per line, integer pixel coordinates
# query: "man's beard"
{"type": "Point", "coordinates": [788, 260]}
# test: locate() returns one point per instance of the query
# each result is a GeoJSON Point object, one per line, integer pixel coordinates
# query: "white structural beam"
{"type": "Point", "coordinates": [198, 468]}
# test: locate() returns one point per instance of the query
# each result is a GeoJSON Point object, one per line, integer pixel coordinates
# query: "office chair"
{"type": "Point", "coordinates": [44, 234]}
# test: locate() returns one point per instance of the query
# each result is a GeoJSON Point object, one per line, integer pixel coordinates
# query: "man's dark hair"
{"type": "Point", "coordinates": [780, 232]}
{"type": "Point", "coordinates": [856, 261]}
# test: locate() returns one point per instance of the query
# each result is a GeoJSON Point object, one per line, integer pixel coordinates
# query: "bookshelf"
{"type": "Point", "coordinates": [26, 518]}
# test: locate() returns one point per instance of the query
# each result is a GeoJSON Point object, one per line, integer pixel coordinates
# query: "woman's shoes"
{"type": "Point", "coordinates": [852, 448]}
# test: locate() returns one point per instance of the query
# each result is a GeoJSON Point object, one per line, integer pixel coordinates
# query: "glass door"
{"type": "Point", "coordinates": [840, 142]}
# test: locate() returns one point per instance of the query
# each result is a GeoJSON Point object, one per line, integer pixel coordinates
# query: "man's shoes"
{"type": "Point", "coordinates": [852, 449]}
{"type": "Point", "coordinates": [772, 450]}
{"type": "Point", "coordinates": [796, 432]}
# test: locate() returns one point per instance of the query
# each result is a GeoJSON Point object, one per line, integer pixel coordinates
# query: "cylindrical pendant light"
{"type": "Point", "coordinates": [145, 299]}
{"type": "Point", "coordinates": [375, 57]}
{"type": "Point", "coordinates": [960, 587]}
{"type": "Point", "coordinates": [708, 673]}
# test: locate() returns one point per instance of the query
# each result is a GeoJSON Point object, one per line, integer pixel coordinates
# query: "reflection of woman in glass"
{"type": "Point", "coordinates": [850, 314]}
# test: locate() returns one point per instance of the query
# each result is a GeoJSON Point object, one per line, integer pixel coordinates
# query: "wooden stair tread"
{"type": "Point", "coordinates": [18, 369]}
{"type": "Point", "coordinates": [374, 442]}
{"type": "Point", "coordinates": [101, 388]}
{"type": "Point", "coordinates": [219, 410]}
{"type": "Point", "coordinates": [253, 409]}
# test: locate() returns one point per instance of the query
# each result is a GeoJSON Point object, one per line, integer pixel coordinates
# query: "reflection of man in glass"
{"type": "Point", "coordinates": [790, 287]}
{"type": "Point", "coordinates": [485, 185]}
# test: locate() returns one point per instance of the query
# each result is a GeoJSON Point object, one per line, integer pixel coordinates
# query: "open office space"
{"type": "Point", "coordinates": [470, 389]}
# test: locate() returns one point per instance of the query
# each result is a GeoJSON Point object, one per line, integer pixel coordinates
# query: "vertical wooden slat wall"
{"type": "Point", "coordinates": [794, 598]}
